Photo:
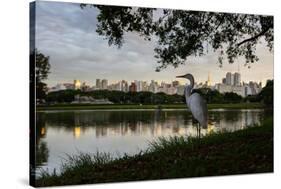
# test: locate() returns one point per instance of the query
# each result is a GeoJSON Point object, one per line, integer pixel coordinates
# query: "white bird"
{"type": "Point", "coordinates": [195, 102]}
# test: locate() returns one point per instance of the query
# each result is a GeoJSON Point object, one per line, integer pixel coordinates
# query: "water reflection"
{"type": "Point", "coordinates": [118, 132]}
{"type": "Point", "coordinates": [42, 151]}
{"type": "Point", "coordinates": [77, 132]}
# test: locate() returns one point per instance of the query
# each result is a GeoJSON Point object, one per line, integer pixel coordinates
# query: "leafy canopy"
{"type": "Point", "coordinates": [181, 34]}
{"type": "Point", "coordinates": [42, 66]}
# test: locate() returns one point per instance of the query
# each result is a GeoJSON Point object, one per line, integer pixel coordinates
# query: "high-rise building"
{"type": "Point", "coordinates": [153, 87]}
{"type": "Point", "coordinates": [77, 84]}
{"type": "Point", "coordinates": [145, 86]}
{"type": "Point", "coordinates": [104, 84]}
{"type": "Point", "coordinates": [232, 79]}
{"type": "Point", "coordinates": [237, 79]}
{"type": "Point", "coordinates": [98, 84]}
{"type": "Point", "coordinates": [240, 90]}
{"type": "Point", "coordinates": [138, 85]}
{"type": "Point", "coordinates": [133, 87]}
{"type": "Point", "coordinates": [224, 80]}
{"type": "Point", "coordinates": [228, 78]}
{"type": "Point", "coordinates": [124, 86]}
{"type": "Point", "coordinates": [115, 87]}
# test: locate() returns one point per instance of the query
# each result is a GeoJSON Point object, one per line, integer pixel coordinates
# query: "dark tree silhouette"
{"type": "Point", "coordinates": [266, 94]}
{"type": "Point", "coordinates": [42, 67]}
{"type": "Point", "coordinates": [181, 34]}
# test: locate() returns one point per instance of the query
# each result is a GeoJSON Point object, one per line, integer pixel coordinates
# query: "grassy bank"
{"type": "Point", "coordinates": [145, 106]}
{"type": "Point", "coordinates": [240, 152]}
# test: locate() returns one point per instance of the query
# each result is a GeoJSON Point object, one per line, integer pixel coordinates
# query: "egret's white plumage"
{"type": "Point", "coordinates": [195, 102]}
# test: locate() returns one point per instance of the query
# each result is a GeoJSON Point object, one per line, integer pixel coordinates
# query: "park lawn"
{"type": "Point", "coordinates": [144, 106]}
{"type": "Point", "coordinates": [240, 152]}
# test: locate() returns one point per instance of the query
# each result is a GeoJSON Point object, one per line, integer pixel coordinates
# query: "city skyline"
{"type": "Point", "coordinates": [230, 83]}
{"type": "Point", "coordinates": [181, 81]}
{"type": "Point", "coordinates": [67, 34]}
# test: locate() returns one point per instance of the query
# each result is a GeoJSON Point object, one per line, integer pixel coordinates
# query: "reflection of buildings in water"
{"type": "Point", "coordinates": [133, 127]}
{"type": "Point", "coordinates": [77, 118]}
{"type": "Point", "coordinates": [101, 131]}
{"type": "Point", "coordinates": [115, 129]}
{"type": "Point", "coordinates": [167, 123]}
{"type": "Point", "coordinates": [77, 132]}
{"type": "Point", "coordinates": [91, 118]}
{"type": "Point", "coordinates": [43, 131]}
{"type": "Point", "coordinates": [243, 120]}
{"type": "Point", "coordinates": [153, 128]}
{"type": "Point", "coordinates": [249, 119]}
{"type": "Point", "coordinates": [123, 129]}
{"type": "Point", "coordinates": [115, 123]}
{"type": "Point", "coordinates": [172, 126]}
{"type": "Point", "coordinates": [157, 131]}
{"type": "Point", "coordinates": [225, 125]}
{"type": "Point", "coordinates": [40, 126]}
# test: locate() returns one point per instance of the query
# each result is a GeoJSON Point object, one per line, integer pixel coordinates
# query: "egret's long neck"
{"type": "Point", "coordinates": [187, 91]}
{"type": "Point", "coordinates": [191, 79]}
{"type": "Point", "coordinates": [189, 88]}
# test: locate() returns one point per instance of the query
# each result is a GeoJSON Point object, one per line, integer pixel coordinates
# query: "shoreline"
{"type": "Point", "coordinates": [144, 107]}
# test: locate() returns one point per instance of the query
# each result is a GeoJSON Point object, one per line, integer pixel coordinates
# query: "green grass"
{"type": "Point", "coordinates": [240, 152]}
{"type": "Point", "coordinates": [145, 106]}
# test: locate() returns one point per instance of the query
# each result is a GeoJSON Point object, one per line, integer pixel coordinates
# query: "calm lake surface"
{"type": "Point", "coordinates": [122, 131]}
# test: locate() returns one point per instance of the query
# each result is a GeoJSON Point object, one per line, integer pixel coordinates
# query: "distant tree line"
{"type": "Point", "coordinates": [120, 97]}
{"type": "Point", "coordinates": [215, 97]}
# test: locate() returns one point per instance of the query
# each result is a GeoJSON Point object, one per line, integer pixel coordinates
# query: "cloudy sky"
{"type": "Point", "coordinates": [67, 34]}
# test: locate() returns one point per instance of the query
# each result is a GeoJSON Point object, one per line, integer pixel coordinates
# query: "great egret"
{"type": "Point", "coordinates": [195, 102]}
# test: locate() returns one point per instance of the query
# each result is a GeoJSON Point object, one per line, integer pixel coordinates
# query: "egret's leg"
{"type": "Point", "coordinates": [199, 129]}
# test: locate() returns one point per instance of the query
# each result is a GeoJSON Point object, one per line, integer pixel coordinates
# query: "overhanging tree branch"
{"type": "Point", "coordinates": [254, 37]}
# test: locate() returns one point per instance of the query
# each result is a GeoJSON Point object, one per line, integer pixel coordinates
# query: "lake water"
{"type": "Point", "coordinates": [122, 131]}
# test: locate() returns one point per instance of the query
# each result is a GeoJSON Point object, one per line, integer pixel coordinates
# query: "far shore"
{"type": "Point", "coordinates": [143, 106]}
